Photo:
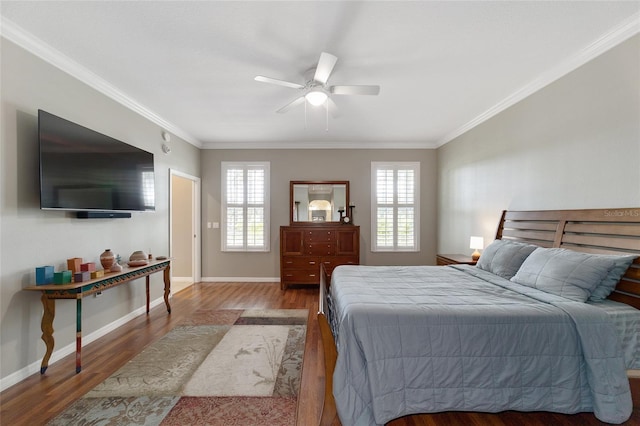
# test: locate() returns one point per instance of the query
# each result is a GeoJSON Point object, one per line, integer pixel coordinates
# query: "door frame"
{"type": "Point", "coordinates": [196, 268]}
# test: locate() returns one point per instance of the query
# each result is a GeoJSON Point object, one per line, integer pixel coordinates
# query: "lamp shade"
{"type": "Point", "coordinates": [476, 243]}
{"type": "Point", "coordinates": [316, 97]}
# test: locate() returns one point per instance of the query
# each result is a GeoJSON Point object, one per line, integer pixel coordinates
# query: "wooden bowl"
{"type": "Point", "coordinates": [138, 258]}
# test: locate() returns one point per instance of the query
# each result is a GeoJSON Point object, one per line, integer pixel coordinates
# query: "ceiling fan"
{"type": "Point", "coordinates": [315, 89]}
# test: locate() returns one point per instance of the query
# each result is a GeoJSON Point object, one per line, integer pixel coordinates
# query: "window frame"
{"type": "Point", "coordinates": [395, 166]}
{"type": "Point", "coordinates": [224, 205]}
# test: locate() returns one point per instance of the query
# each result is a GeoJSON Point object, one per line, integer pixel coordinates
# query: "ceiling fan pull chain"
{"type": "Point", "coordinates": [305, 114]}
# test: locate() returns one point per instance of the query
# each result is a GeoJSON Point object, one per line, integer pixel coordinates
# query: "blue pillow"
{"type": "Point", "coordinates": [621, 264]}
{"type": "Point", "coordinates": [504, 257]}
{"type": "Point", "coordinates": [571, 274]}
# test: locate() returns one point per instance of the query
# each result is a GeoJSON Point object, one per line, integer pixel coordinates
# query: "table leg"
{"type": "Point", "coordinates": [46, 325]}
{"type": "Point", "coordinates": [147, 283]}
{"type": "Point", "coordinates": [167, 286]}
{"type": "Point", "coordinates": [78, 335]}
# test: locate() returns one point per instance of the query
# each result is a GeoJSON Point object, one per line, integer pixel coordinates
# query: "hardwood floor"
{"type": "Point", "coordinates": [38, 398]}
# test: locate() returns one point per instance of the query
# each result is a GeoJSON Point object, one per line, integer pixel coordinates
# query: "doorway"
{"type": "Point", "coordinates": [184, 225]}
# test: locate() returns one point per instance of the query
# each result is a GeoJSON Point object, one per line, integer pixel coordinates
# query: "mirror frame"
{"type": "Point", "coordinates": [316, 182]}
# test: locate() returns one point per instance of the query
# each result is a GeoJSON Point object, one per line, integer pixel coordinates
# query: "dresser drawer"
{"type": "Point", "coordinates": [319, 235]}
{"type": "Point", "coordinates": [334, 261]}
{"type": "Point", "coordinates": [320, 249]}
{"type": "Point", "coordinates": [331, 262]}
{"type": "Point", "coordinates": [300, 262]}
{"type": "Point", "coordinates": [301, 276]}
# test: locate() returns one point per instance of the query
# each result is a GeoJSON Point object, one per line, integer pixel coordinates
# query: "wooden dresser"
{"type": "Point", "coordinates": [303, 248]}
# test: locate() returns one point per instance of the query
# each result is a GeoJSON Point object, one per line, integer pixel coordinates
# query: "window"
{"type": "Point", "coordinates": [395, 206]}
{"type": "Point", "coordinates": [245, 206]}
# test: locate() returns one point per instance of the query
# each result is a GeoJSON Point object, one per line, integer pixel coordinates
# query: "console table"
{"type": "Point", "coordinates": [51, 292]}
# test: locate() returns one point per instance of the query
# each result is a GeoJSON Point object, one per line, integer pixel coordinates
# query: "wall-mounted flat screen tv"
{"type": "Point", "coordinates": [83, 170]}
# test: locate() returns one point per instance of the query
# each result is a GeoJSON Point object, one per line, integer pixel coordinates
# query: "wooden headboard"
{"type": "Point", "coordinates": [604, 231]}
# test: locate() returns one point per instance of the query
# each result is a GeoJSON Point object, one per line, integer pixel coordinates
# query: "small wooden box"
{"type": "Point", "coordinates": [44, 275]}
{"type": "Point", "coordinates": [89, 266]}
{"type": "Point", "coordinates": [62, 277]}
{"type": "Point", "coordinates": [82, 276]}
{"type": "Point", "coordinates": [73, 264]}
{"type": "Point", "coordinates": [97, 274]}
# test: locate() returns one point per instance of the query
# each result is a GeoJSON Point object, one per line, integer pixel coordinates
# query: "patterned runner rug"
{"type": "Point", "coordinates": [220, 367]}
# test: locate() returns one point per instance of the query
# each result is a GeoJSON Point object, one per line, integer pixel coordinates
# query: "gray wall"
{"type": "Point", "coordinates": [31, 237]}
{"type": "Point", "coordinates": [574, 144]}
{"type": "Point", "coordinates": [287, 165]}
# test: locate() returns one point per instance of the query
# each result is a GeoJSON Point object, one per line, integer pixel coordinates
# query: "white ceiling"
{"type": "Point", "coordinates": [443, 67]}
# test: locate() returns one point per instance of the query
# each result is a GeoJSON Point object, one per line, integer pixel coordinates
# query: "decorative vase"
{"type": "Point", "coordinates": [116, 267]}
{"type": "Point", "coordinates": [106, 259]}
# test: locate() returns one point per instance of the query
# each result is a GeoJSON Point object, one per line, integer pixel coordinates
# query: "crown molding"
{"type": "Point", "coordinates": [320, 145]}
{"type": "Point", "coordinates": [42, 50]}
{"type": "Point", "coordinates": [627, 29]}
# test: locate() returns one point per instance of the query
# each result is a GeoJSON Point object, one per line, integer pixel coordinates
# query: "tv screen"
{"type": "Point", "coordinates": [83, 170]}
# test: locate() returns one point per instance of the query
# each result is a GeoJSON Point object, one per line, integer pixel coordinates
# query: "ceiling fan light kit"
{"type": "Point", "coordinates": [316, 91]}
{"type": "Point", "coordinates": [316, 97]}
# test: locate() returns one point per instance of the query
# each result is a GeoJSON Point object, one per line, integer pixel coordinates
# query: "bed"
{"type": "Point", "coordinates": [548, 320]}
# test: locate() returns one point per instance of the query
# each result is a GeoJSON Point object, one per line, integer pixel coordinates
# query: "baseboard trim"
{"type": "Point", "coordinates": [18, 376]}
{"type": "Point", "coordinates": [241, 279]}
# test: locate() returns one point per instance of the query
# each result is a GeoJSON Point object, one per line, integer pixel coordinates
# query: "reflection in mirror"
{"type": "Point", "coordinates": [318, 202]}
{"type": "Point", "coordinates": [320, 210]}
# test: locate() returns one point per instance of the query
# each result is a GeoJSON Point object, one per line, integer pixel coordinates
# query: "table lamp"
{"type": "Point", "coordinates": [476, 243]}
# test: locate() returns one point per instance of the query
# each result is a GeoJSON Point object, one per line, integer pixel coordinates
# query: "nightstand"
{"type": "Point", "coordinates": [454, 259]}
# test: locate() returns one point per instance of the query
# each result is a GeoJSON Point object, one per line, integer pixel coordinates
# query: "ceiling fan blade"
{"type": "Point", "coordinates": [287, 107]}
{"type": "Point", "coordinates": [355, 90]}
{"type": "Point", "coordinates": [278, 82]}
{"type": "Point", "coordinates": [325, 66]}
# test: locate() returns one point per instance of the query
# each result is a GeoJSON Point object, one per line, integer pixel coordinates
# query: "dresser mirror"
{"type": "Point", "coordinates": [318, 202]}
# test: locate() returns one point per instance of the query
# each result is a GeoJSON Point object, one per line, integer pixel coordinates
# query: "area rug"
{"type": "Point", "coordinates": [219, 367]}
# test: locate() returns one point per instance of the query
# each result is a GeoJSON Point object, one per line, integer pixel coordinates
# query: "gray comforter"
{"type": "Point", "coordinates": [429, 338]}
